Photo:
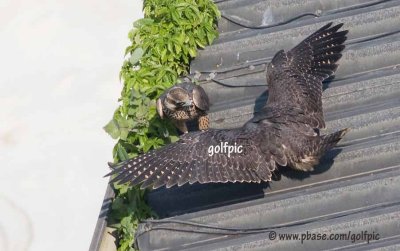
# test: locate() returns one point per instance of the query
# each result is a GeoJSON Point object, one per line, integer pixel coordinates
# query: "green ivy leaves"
{"type": "Point", "coordinates": [136, 55]}
{"type": "Point", "coordinates": [162, 45]}
{"type": "Point", "coordinates": [119, 127]}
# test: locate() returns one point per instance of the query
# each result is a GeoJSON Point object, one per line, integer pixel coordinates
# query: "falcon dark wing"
{"type": "Point", "coordinates": [189, 160]}
{"type": "Point", "coordinates": [295, 78]}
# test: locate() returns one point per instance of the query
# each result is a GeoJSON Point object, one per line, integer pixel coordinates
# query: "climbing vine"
{"type": "Point", "coordinates": [162, 45]}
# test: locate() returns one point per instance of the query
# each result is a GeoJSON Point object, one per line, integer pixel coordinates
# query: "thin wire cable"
{"type": "Point", "coordinates": [387, 34]}
{"type": "Point", "coordinates": [290, 20]}
{"type": "Point", "coordinates": [264, 62]}
{"type": "Point", "coordinates": [359, 6]}
{"type": "Point", "coordinates": [241, 231]}
{"type": "Point", "coordinates": [270, 25]}
{"type": "Point", "coordinates": [221, 1]}
{"type": "Point", "coordinates": [354, 7]}
{"type": "Point", "coordinates": [227, 85]}
{"type": "Point", "coordinates": [254, 63]}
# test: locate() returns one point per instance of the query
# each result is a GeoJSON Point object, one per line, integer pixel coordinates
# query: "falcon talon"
{"type": "Point", "coordinates": [284, 133]}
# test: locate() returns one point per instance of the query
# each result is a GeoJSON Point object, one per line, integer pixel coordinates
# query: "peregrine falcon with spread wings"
{"type": "Point", "coordinates": [184, 102]}
{"type": "Point", "coordinates": [284, 133]}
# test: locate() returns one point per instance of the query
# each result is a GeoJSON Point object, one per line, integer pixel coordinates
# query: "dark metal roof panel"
{"type": "Point", "coordinates": [369, 203]}
{"type": "Point", "coordinates": [274, 12]}
{"type": "Point", "coordinates": [249, 45]}
{"type": "Point", "coordinates": [358, 190]}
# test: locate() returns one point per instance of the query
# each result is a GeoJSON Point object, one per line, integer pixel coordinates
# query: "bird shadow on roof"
{"type": "Point", "coordinates": [326, 163]}
{"type": "Point", "coordinates": [260, 101]}
{"type": "Point", "coordinates": [326, 83]}
{"type": "Point", "coordinates": [196, 197]}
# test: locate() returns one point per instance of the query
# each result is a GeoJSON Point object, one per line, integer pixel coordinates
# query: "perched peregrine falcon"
{"type": "Point", "coordinates": [284, 133]}
{"type": "Point", "coordinates": [184, 102]}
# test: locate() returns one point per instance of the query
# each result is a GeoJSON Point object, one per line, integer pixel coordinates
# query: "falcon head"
{"type": "Point", "coordinates": [183, 97]}
{"type": "Point", "coordinates": [174, 99]}
{"type": "Point", "coordinates": [177, 98]}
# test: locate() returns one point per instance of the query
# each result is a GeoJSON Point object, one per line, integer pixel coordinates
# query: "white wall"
{"type": "Point", "coordinates": [59, 85]}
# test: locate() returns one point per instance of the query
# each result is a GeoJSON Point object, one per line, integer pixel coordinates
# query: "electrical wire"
{"type": "Point", "coordinates": [242, 231]}
{"type": "Point", "coordinates": [368, 39]}
{"type": "Point", "coordinates": [264, 61]}
{"type": "Point", "coordinates": [221, 1]}
{"type": "Point", "coordinates": [354, 7]}
{"type": "Point", "coordinates": [359, 6]}
{"type": "Point", "coordinates": [227, 85]}
{"type": "Point", "coordinates": [270, 25]}
{"type": "Point", "coordinates": [287, 21]}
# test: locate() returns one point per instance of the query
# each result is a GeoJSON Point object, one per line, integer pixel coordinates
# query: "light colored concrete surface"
{"type": "Point", "coordinates": [59, 85]}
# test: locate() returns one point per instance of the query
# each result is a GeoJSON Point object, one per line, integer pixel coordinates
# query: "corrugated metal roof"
{"type": "Point", "coordinates": [357, 191]}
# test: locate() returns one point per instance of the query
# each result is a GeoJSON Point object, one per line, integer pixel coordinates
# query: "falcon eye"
{"type": "Point", "coordinates": [181, 103]}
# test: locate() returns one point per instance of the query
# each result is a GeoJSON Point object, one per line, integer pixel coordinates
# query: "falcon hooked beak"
{"type": "Point", "coordinates": [187, 103]}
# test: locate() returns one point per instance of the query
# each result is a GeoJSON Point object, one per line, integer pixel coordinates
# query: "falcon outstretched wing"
{"type": "Point", "coordinates": [295, 77]}
{"type": "Point", "coordinates": [189, 160]}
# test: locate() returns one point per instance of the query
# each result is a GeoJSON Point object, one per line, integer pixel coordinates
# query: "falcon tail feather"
{"type": "Point", "coordinates": [330, 140]}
